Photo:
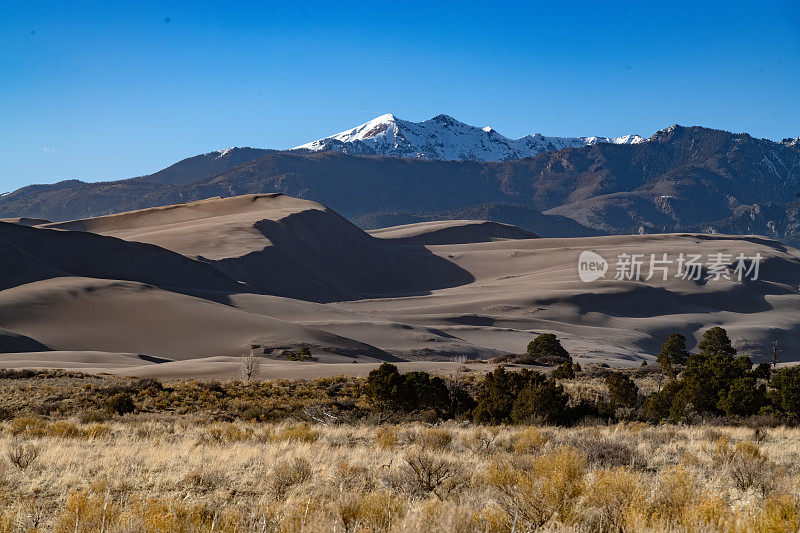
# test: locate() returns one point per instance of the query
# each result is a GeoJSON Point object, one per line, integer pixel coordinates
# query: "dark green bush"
{"type": "Point", "coordinates": [658, 406]}
{"type": "Point", "coordinates": [547, 349]}
{"type": "Point", "coordinates": [564, 371]}
{"type": "Point", "coordinates": [743, 397]}
{"type": "Point", "coordinates": [388, 389]}
{"type": "Point", "coordinates": [785, 390]}
{"type": "Point", "coordinates": [121, 404]}
{"type": "Point", "coordinates": [541, 402]}
{"type": "Point", "coordinates": [497, 392]}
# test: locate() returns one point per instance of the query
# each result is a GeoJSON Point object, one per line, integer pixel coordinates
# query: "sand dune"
{"type": "Point", "coordinates": [532, 285]}
{"type": "Point", "coordinates": [24, 221]}
{"type": "Point", "coordinates": [29, 254]}
{"type": "Point", "coordinates": [14, 342]}
{"type": "Point", "coordinates": [451, 232]}
{"type": "Point", "coordinates": [283, 246]}
{"type": "Point", "coordinates": [77, 360]}
{"type": "Point", "coordinates": [198, 284]}
{"type": "Point", "coordinates": [81, 314]}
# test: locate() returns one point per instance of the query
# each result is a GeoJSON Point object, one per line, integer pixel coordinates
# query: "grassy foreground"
{"type": "Point", "coordinates": [157, 473]}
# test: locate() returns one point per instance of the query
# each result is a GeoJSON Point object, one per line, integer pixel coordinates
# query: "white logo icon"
{"type": "Point", "coordinates": [591, 266]}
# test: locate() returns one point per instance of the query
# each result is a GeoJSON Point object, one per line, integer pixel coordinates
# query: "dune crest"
{"type": "Point", "coordinates": [451, 232]}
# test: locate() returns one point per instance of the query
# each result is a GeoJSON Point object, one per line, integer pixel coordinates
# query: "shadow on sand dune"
{"type": "Point", "coordinates": [319, 256]}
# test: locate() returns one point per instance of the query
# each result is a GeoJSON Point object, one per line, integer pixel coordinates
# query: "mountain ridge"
{"type": "Point", "coordinates": [681, 178]}
{"type": "Point", "coordinates": [443, 137]}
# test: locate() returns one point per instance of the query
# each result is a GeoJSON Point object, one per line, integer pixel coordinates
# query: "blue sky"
{"type": "Point", "coordinates": [110, 90]}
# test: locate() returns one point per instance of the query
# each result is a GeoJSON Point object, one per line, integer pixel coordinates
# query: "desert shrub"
{"type": "Point", "coordinates": [87, 512]}
{"type": "Point", "coordinates": [286, 474]}
{"type": "Point", "coordinates": [480, 441]}
{"type": "Point", "coordinates": [204, 480]}
{"type": "Point", "coordinates": [64, 429]}
{"type": "Point", "coordinates": [547, 349]}
{"type": "Point", "coordinates": [779, 513]}
{"type": "Point", "coordinates": [302, 432]}
{"type": "Point", "coordinates": [529, 440]}
{"type": "Point", "coordinates": [386, 437]}
{"type": "Point", "coordinates": [301, 355]}
{"type": "Point", "coordinates": [226, 432]}
{"type": "Point", "coordinates": [94, 415]}
{"type": "Point", "coordinates": [675, 493]}
{"type": "Point", "coordinates": [539, 489]}
{"type": "Point", "coordinates": [29, 426]}
{"type": "Point", "coordinates": [608, 453]}
{"type": "Point", "coordinates": [348, 476]}
{"type": "Point", "coordinates": [612, 499]}
{"type": "Point", "coordinates": [253, 413]}
{"type": "Point", "coordinates": [563, 371]}
{"type": "Point", "coordinates": [750, 468]}
{"type": "Point", "coordinates": [433, 439]}
{"type": "Point", "coordinates": [427, 473]}
{"type": "Point", "coordinates": [377, 510]}
{"type": "Point", "coordinates": [121, 404]}
{"type": "Point", "coordinates": [97, 431]}
{"type": "Point", "coordinates": [373, 511]}
{"type": "Point", "coordinates": [22, 455]}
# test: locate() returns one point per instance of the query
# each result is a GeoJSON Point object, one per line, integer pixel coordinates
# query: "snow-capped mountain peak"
{"type": "Point", "coordinates": [443, 137]}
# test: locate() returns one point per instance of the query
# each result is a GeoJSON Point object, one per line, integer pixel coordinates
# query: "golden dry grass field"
{"type": "Point", "coordinates": [165, 473]}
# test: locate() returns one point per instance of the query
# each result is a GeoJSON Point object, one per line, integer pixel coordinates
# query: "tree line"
{"type": "Point", "coordinates": [714, 382]}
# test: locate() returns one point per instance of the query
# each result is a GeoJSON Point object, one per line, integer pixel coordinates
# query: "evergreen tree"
{"type": "Point", "coordinates": [497, 394]}
{"type": "Point", "coordinates": [547, 348]}
{"type": "Point", "coordinates": [742, 397]}
{"type": "Point", "coordinates": [785, 393]}
{"type": "Point", "coordinates": [545, 402]}
{"type": "Point", "coordinates": [716, 342]}
{"type": "Point", "coordinates": [622, 391]}
{"type": "Point", "coordinates": [673, 352]}
{"type": "Point", "coordinates": [383, 386]}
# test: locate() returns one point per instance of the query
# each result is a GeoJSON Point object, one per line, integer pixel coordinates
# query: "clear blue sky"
{"type": "Point", "coordinates": [110, 90]}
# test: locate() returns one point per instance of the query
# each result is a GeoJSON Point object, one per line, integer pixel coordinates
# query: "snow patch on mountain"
{"type": "Point", "coordinates": [444, 137]}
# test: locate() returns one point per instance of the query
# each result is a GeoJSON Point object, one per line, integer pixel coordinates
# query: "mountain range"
{"type": "Point", "coordinates": [390, 170]}
{"type": "Point", "coordinates": [444, 137]}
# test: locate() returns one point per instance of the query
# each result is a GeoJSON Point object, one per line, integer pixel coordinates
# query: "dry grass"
{"type": "Point", "coordinates": [175, 474]}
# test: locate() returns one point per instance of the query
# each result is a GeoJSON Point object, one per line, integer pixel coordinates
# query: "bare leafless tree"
{"type": "Point", "coordinates": [776, 353]}
{"type": "Point", "coordinates": [251, 364]}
